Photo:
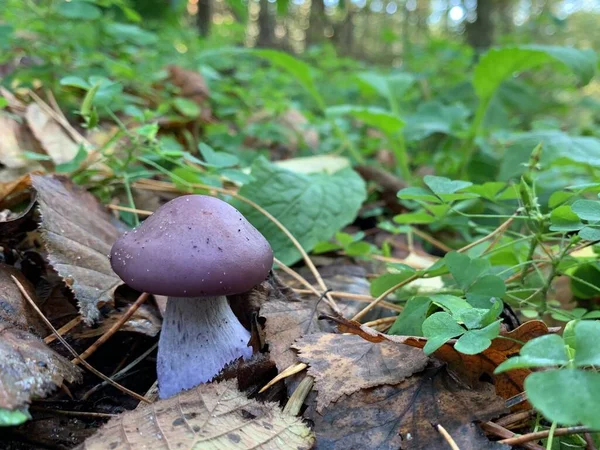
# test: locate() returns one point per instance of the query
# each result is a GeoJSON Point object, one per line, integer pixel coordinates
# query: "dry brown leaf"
{"type": "Point", "coordinates": [51, 136]}
{"type": "Point", "coordinates": [190, 83]}
{"type": "Point", "coordinates": [469, 367]}
{"type": "Point", "coordinates": [343, 364]}
{"type": "Point", "coordinates": [192, 86]}
{"type": "Point", "coordinates": [286, 321]}
{"type": "Point", "coordinates": [401, 416]}
{"type": "Point", "coordinates": [28, 368]}
{"type": "Point", "coordinates": [78, 235]}
{"type": "Point", "coordinates": [215, 416]}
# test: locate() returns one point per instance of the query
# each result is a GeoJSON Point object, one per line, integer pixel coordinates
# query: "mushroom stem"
{"type": "Point", "coordinates": [199, 337]}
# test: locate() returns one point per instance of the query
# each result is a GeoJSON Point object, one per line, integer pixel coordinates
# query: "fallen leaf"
{"type": "Point", "coordinates": [343, 364]}
{"type": "Point", "coordinates": [286, 321]}
{"type": "Point", "coordinates": [215, 415]}
{"type": "Point", "coordinates": [192, 86]}
{"type": "Point", "coordinates": [28, 368]}
{"type": "Point", "coordinates": [469, 367]}
{"type": "Point", "coordinates": [78, 235]}
{"type": "Point", "coordinates": [51, 136]}
{"type": "Point", "coordinates": [190, 83]}
{"type": "Point", "coordinates": [11, 154]}
{"type": "Point", "coordinates": [401, 416]}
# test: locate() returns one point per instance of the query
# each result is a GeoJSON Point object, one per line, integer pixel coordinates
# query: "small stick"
{"type": "Point", "coordinates": [382, 321]}
{"type": "Point", "coordinates": [299, 278]}
{"type": "Point", "coordinates": [497, 430]}
{"type": "Point", "coordinates": [446, 436]}
{"type": "Point", "coordinates": [433, 241]}
{"type": "Point", "coordinates": [379, 299]}
{"type": "Point", "coordinates": [141, 212]}
{"type": "Point", "coordinates": [69, 348]}
{"type": "Point", "coordinates": [518, 440]}
{"type": "Point", "coordinates": [348, 295]}
{"type": "Point", "coordinates": [118, 324]}
{"type": "Point", "coordinates": [292, 370]}
{"type": "Point", "coordinates": [294, 404]}
{"type": "Point", "coordinates": [74, 413]}
{"type": "Point", "coordinates": [63, 330]}
{"type": "Point", "coordinates": [498, 230]}
{"type": "Point", "coordinates": [121, 373]}
{"type": "Point", "coordinates": [514, 418]}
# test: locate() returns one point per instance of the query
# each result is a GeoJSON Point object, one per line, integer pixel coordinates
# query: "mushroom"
{"type": "Point", "coordinates": [194, 249]}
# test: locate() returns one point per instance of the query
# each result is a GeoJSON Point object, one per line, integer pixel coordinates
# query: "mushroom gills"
{"type": "Point", "coordinates": [199, 337]}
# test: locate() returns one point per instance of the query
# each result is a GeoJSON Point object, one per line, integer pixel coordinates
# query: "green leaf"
{"type": "Point", "coordinates": [418, 194]}
{"type": "Point", "coordinates": [186, 107]}
{"type": "Point", "coordinates": [217, 159]}
{"type": "Point", "coordinates": [133, 34]}
{"type": "Point", "coordinates": [389, 86]}
{"type": "Point", "coordinates": [410, 321]}
{"type": "Point", "coordinates": [482, 293]}
{"type": "Point", "coordinates": [11, 418]}
{"type": "Point", "coordinates": [474, 318]}
{"type": "Point", "coordinates": [589, 233]}
{"type": "Point", "coordinates": [73, 81]}
{"type": "Point", "coordinates": [299, 69]}
{"type": "Point", "coordinates": [419, 217]}
{"type": "Point", "coordinates": [358, 249]}
{"type": "Point", "coordinates": [465, 270]}
{"type": "Point", "coordinates": [372, 116]}
{"type": "Point", "coordinates": [3, 102]}
{"type": "Point", "coordinates": [558, 147]}
{"type": "Point", "coordinates": [434, 117]}
{"type": "Point", "coordinates": [148, 131]}
{"type": "Point", "coordinates": [74, 163]}
{"type": "Point", "coordinates": [566, 396]}
{"type": "Point", "coordinates": [312, 207]}
{"type": "Point", "coordinates": [79, 10]}
{"type": "Point", "coordinates": [107, 90]}
{"type": "Point", "coordinates": [544, 351]}
{"type": "Point", "coordinates": [564, 219]}
{"type": "Point", "coordinates": [452, 304]}
{"type": "Point", "coordinates": [476, 341]}
{"type": "Point", "coordinates": [587, 337]}
{"type": "Point", "coordinates": [499, 64]}
{"type": "Point", "coordinates": [442, 185]}
{"type": "Point", "coordinates": [382, 283]}
{"type": "Point", "coordinates": [587, 210]}
{"type": "Point", "coordinates": [439, 328]}
{"type": "Point", "coordinates": [488, 190]}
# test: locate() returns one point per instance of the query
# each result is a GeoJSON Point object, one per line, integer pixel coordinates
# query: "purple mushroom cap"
{"type": "Point", "coordinates": [193, 246]}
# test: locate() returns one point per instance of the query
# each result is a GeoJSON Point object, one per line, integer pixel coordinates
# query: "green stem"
{"type": "Point", "coordinates": [351, 148]}
{"type": "Point", "coordinates": [533, 245]}
{"type": "Point", "coordinates": [551, 436]}
{"type": "Point", "coordinates": [468, 147]}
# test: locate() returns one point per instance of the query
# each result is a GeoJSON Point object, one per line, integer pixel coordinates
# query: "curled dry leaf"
{"type": "Point", "coordinates": [343, 364]}
{"type": "Point", "coordinates": [51, 136]}
{"type": "Point", "coordinates": [469, 367]}
{"type": "Point", "coordinates": [215, 415]}
{"type": "Point", "coordinates": [78, 235]}
{"type": "Point", "coordinates": [28, 368]}
{"type": "Point", "coordinates": [401, 416]}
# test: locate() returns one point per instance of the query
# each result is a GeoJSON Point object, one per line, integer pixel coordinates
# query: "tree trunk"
{"type": "Point", "coordinates": [265, 25]}
{"type": "Point", "coordinates": [204, 17]}
{"type": "Point", "coordinates": [317, 21]}
{"type": "Point", "coordinates": [480, 34]}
